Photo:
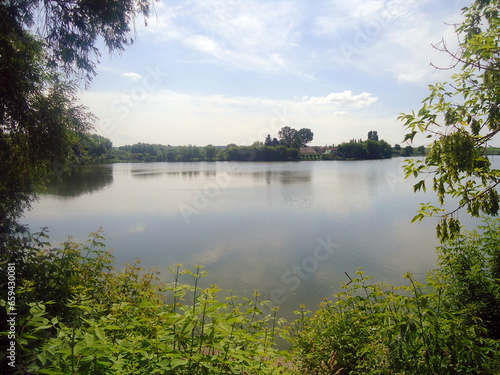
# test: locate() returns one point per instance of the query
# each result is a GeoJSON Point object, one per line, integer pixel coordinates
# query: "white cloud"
{"type": "Point", "coordinates": [170, 117]}
{"type": "Point", "coordinates": [342, 99]}
{"type": "Point", "coordinates": [372, 36]}
{"type": "Point", "coordinates": [250, 35]}
{"type": "Point", "coordinates": [392, 37]}
{"type": "Point", "coordinates": [202, 43]}
{"type": "Point", "coordinates": [133, 76]}
{"type": "Point", "coordinates": [339, 114]}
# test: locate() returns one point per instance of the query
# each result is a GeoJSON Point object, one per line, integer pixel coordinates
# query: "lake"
{"type": "Point", "coordinates": [292, 230]}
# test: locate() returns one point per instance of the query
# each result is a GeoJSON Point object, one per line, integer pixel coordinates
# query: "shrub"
{"type": "Point", "coordinates": [470, 264]}
{"type": "Point", "coordinates": [379, 329]}
{"type": "Point", "coordinates": [100, 321]}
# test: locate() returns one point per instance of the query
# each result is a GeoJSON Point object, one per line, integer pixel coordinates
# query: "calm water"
{"type": "Point", "coordinates": [291, 230]}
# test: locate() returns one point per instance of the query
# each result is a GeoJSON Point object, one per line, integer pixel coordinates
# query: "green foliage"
{"type": "Point", "coordinates": [369, 149]}
{"type": "Point", "coordinates": [210, 152]}
{"type": "Point", "coordinates": [78, 316]}
{"type": "Point", "coordinates": [462, 117]}
{"type": "Point", "coordinates": [292, 138]}
{"type": "Point", "coordinates": [144, 152]}
{"type": "Point", "coordinates": [39, 116]}
{"type": "Point", "coordinates": [470, 264]}
{"type": "Point", "coordinates": [305, 136]}
{"type": "Point", "coordinates": [379, 329]}
{"type": "Point", "coordinates": [70, 30]}
{"type": "Point", "coordinates": [260, 153]}
{"type": "Point", "coordinates": [90, 149]}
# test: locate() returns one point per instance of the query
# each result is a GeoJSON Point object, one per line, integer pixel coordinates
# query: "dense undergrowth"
{"type": "Point", "coordinates": [76, 315]}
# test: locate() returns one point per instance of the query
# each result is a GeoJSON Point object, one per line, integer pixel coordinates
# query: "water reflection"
{"type": "Point", "coordinates": [251, 224]}
{"type": "Point", "coordinates": [161, 173]}
{"type": "Point", "coordinates": [235, 171]}
{"type": "Point", "coordinates": [81, 180]}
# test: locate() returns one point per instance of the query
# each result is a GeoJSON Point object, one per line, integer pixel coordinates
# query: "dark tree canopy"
{"type": "Point", "coordinates": [69, 29]}
{"type": "Point", "coordinates": [287, 136]}
{"type": "Point", "coordinates": [368, 149]}
{"type": "Point", "coordinates": [372, 135]}
{"type": "Point", "coordinates": [268, 141]}
{"type": "Point", "coordinates": [290, 137]}
{"type": "Point", "coordinates": [305, 136]}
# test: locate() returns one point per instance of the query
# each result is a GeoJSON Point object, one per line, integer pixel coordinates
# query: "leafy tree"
{"type": "Point", "coordinates": [368, 149]}
{"type": "Point", "coordinates": [39, 115]}
{"type": "Point", "coordinates": [290, 137]}
{"type": "Point", "coordinates": [305, 136]}
{"type": "Point", "coordinates": [268, 141]}
{"type": "Point", "coordinates": [287, 136]}
{"type": "Point", "coordinates": [70, 29]}
{"type": "Point", "coordinates": [210, 152]}
{"type": "Point", "coordinates": [462, 117]}
{"type": "Point", "coordinates": [372, 135]}
{"type": "Point", "coordinates": [91, 148]}
{"type": "Point", "coordinates": [408, 151]}
{"type": "Point", "coordinates": [353, 150]}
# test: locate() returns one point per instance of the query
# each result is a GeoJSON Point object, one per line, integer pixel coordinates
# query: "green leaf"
{"type": "Point", "coordinates": [99, 332]}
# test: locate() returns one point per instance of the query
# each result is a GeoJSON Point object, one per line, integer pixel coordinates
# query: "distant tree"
{"type": "Point", "coordinates": [288, 136]}
{"type": "Point", "coordinates": [368, 149]}
{"type": "Point", "coordinates": [386, 149]}
{"type": "Point", "coordinates": [195, 152]}
{"type": "Point", "coordinates": [372, 135]}
{"type": "Point", "coordinates": [408, 151]}
{"type": "Point", "coordinates": [210, 152]}
{"type": "Point", "coordinates": [305, 136]}
{"type": "Point", "coordinates": [397, 147]}
{"type": "Point", "coordinates": [374, 149]}
{"type": "Point", "coordinates": [268, 141]}
{"type": "Point", "coordinates": [275, 142]}
{"type": "Point", "coordinates": [172, 154]}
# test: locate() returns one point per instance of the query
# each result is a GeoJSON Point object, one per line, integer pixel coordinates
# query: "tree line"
{"type": "Point", "coordinates": [232, 152]}
{"type": "Point", "coordinates": [371, 148]}
{"type": "Point", "coordinates": [92, 148]}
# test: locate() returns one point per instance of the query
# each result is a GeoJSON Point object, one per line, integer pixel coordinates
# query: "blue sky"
{"type": "Point", "coordinates": [226, 71]}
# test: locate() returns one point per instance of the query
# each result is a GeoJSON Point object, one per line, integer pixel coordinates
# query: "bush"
{"type": "Point", "coordinates": [97, 321]}
{"type": "Point", "coordinates": [470, 264]}
{"type": "Point", "coordinates": [379, 329]}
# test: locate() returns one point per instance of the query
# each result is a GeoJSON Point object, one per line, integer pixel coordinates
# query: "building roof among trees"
{"type": "Point", "coordinates": [307, 150]}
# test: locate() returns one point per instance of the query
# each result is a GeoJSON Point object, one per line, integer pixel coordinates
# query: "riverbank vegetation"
{"type": "Point", "coordinates": [77, 315]}
{"type": "Point", "coordinates": [95, 149]}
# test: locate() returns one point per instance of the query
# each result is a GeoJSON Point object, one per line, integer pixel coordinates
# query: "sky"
{"type": "Point", "coordinates": [226, 71]}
